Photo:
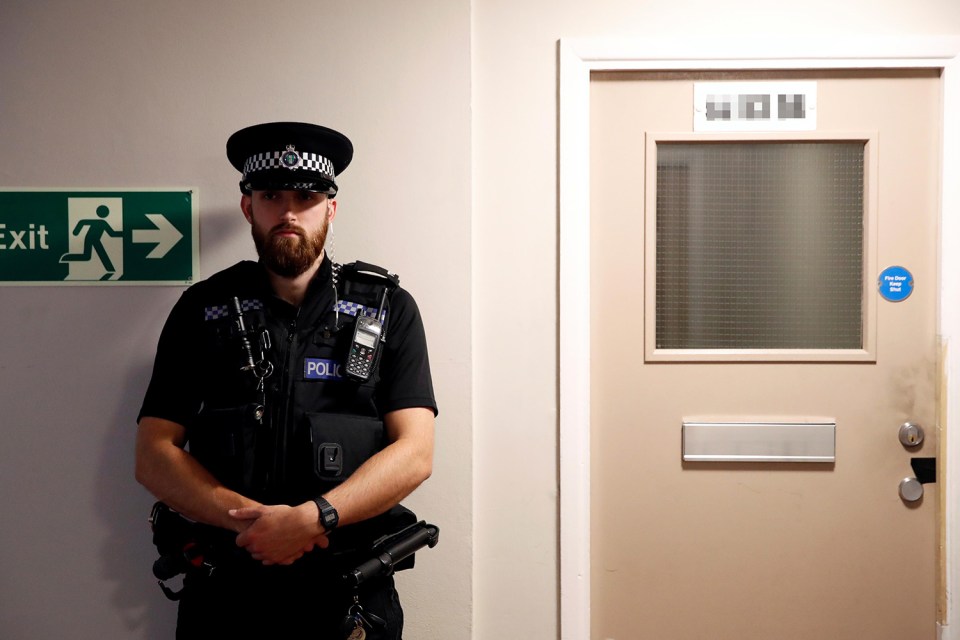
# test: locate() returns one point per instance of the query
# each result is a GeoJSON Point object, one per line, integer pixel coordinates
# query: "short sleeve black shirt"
{"type": "Point", "coordinates": [199, 356]}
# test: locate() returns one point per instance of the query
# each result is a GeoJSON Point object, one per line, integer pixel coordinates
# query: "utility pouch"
{"type": "Point", "coordinates": [185, 547]}
{"type": "Point", "coordinates": [224, 441]}
{"type": "Point", "coordinates": [340, 444]}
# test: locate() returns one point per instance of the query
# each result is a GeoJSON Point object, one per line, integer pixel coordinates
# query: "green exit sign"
{"type": "Point", "coordinates": [98, 237]}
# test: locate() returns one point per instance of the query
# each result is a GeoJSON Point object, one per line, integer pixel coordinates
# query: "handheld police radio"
{"type": "Point", "coordinates": [368, 336]}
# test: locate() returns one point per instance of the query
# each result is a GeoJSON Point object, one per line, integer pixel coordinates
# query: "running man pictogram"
{"type": "Point", "coordinates": [93, 241]}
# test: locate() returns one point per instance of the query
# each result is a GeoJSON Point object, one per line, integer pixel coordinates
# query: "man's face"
{"type": "Point", "coordinates": [289, 228]}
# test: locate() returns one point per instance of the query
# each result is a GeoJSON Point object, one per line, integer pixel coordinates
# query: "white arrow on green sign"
{"type": "Point", "coordinates": [98, 237]}
{"type": "Point", "coordinates": [165, 236]}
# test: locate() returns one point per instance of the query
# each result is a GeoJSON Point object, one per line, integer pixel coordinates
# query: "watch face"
{"type": "Point", "coordinates": [328, 514]}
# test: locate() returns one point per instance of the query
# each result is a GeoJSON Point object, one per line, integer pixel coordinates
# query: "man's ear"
{"type": "Point", "coordinates": [331, 210]}
{"type": "Point", "coordinates": [246, 205]}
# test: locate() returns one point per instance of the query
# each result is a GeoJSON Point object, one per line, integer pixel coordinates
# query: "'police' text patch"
{"type": "Point", "coordinates": [321, 369]}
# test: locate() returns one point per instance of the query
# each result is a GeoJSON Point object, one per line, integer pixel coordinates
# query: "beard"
{"type": "Point", "coordinates": [286, 256]}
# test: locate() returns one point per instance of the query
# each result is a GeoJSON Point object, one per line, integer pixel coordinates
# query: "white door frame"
{"type": "Point", "coordinates": [577, 58]}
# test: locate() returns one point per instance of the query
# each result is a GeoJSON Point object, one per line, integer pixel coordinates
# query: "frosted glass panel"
{"type": "Point", "coordinates": [759, 245]}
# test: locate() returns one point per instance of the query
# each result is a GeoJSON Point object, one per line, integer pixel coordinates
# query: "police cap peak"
{"type": "Point", "coordinates": [289, 155]}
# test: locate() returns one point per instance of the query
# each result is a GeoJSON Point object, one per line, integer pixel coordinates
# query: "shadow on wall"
{"type": "Point", "coordinates": [122, 505]}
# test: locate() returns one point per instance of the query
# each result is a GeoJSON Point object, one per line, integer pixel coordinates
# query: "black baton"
{"type": "Point", "coordinates": [390, 550]}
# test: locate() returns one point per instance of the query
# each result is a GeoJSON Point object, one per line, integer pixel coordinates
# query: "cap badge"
{"type": "Point", "coordinates": [290, 158]}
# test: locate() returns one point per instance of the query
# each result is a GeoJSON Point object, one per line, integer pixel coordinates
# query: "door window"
{"type": "Point", "coordinates": [760, 249]}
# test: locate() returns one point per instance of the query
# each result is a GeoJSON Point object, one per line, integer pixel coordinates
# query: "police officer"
{"type": "Point", "coordinates": [254, 423]}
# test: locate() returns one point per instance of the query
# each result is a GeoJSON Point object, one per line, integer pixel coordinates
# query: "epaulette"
{"type": "Point", "coordinates": [364, 272]}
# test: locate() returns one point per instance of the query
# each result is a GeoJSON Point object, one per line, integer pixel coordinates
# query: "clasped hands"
{"type": "Point", "coordinates": [279, 534]}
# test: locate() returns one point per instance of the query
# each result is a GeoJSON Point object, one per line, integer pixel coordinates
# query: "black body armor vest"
{"type": "Point", "coordinates": [282, 422]}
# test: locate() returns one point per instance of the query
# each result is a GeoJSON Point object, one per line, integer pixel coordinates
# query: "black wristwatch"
{"type": "Point", "coordinates": [328, 515]}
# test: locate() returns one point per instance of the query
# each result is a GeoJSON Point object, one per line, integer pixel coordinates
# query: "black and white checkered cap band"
{"type": "Point", "coordinates": [276, 160]}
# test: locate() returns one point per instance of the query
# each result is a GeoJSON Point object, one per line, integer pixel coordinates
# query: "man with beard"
{"type": "Point", "coordinates": [254, 425]}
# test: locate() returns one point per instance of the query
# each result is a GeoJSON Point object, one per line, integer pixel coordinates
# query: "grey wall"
{"type": "Point", "coordinates": [111, 94]}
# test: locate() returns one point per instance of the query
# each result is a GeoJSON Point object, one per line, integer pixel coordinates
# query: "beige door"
{"type": "Point", "coordinates": [759, 550]}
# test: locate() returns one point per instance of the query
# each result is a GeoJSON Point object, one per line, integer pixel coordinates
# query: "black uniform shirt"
{"type": "Point", "coordinates": [199, 357]}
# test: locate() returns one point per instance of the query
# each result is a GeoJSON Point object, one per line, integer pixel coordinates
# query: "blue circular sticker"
{"type": "Point", "coordinates": [896, 284]}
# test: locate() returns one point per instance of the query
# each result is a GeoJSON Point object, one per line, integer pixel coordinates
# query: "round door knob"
{"type": "Point", "coordinates": [911, 434]}
{"type": "Point", "coordinates": [911, 490]}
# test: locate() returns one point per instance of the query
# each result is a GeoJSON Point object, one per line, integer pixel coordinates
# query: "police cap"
{"type": "Point", "coordinates": [289, 155]}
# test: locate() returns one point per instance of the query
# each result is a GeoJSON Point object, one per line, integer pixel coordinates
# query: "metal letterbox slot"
{"type": "Point", "coordinates": [759, 441]}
